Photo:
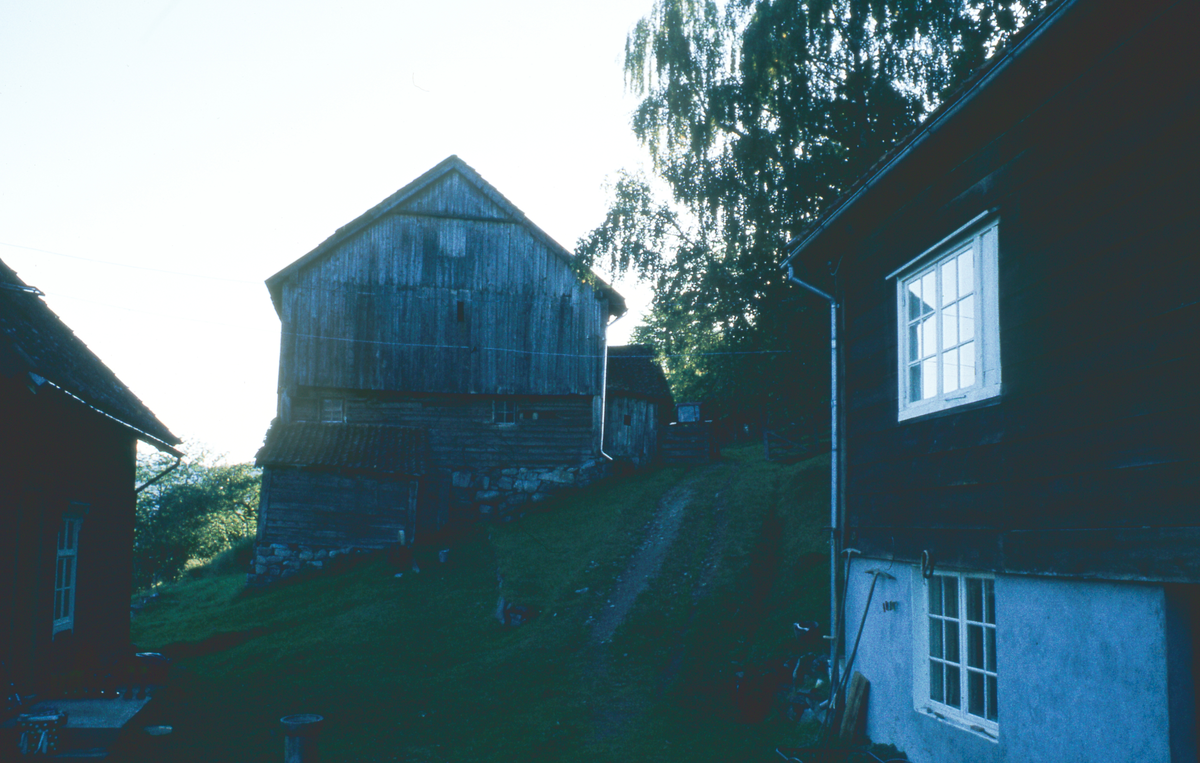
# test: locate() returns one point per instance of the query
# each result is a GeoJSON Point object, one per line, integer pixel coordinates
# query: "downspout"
{"type": "Point", "coordinates": [604, 392]}
{"type": "Point", "coordinates": [835, 477]}
{"type": "Point", "coordinates": [160, 475]}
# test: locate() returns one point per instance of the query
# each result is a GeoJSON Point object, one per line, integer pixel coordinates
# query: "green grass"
{"type": "Point", "coordinates": [418, 669]}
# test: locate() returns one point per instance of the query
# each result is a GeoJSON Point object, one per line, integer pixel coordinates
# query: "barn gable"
{"type": "Point", "coordinates": [443, 287]}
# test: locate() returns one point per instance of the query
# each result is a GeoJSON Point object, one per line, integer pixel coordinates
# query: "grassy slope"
{"type": "Point", "coordinates": [418, 669]}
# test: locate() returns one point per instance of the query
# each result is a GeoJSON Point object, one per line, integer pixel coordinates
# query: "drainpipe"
{"type": "Point", "coordinates": [836, 528]}
{"type": "Point", "coordinates": [160, 475]}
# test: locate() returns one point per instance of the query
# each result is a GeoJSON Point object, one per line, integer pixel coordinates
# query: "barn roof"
{"type": "Point", "coordinates": [633, 371]}
{"type": "Point", "coordinates": [34, 341]}
{"type": "Point", "coordinates": [413, 189]}
{"type": "Point", "coordinates": [374, 447]}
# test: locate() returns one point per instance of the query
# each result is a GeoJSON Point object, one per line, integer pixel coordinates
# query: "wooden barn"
{"type": "Point", "coordinates": [1019, 300]}
{"type": "Point", "coordinates": [67, 501]}
{"type": "Point", "coordinates": [637, 404]}
{"type": "Point", "coordinates": [444, 312]}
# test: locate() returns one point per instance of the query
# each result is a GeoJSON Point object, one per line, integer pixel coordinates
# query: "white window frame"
{"type": "Point", "coordinates": [66, 574]}
{"type": "Point", "coordinates": [969, 664]}
{"type": "Point", "coordinates": [979, 239]}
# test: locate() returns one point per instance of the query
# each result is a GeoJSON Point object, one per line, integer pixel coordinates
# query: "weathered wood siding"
{"type": "Point", "coordinates": [462, 432]}
{"type": "Point", "coordinates": [637, 439]}
{"type": "Point", "coordinates": [320, 508]}
{"type": "Point", "coordinates": [1089, 461]}
{"type": "Point", "coordinates": [62, 458]}
{"type": "Point", "coordinates": [382, 311]}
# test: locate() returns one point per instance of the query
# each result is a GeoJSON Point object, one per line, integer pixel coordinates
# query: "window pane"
{"type": "Point", "coordinates": [975, 646]}
{"type": "Point", "coordinates": [989, 635]}
{"type": "Point", "coordinates": [929, 290]}
{"type": "Point", "coordinates": [950, 326]}
{"type": "Point", "coordinates": [914, 342]}
{"type": "Point", "coordinates": [67, 572]}
{"type": "Point", "coordinates": [935, 638]}
{"type": "Point", "coordinates": [949, 282]}
{"type": "Point", "coordinates": [936, 689]}
{"type": "Point", "coordinates": [928, 377]}
{"type": "Point", "coordinates": [951, 597]}
{"type": "Point", "coordinates": [952, 641]}
{"type": "Point", "coordinates": [991, 698]}
{"type": "Point", "coordinates": [953, 689]}
{"type": "Point", "coordinates": [975, 693]}
{"type": "Point", "coordinates": [915, 309]}
{"type": "Point", "coordinates": [966, 365]}
{"type": "Point", "coordinates": [58, 598]}
{"type": "Point", "coordinates": [914, 383]}
{"type": "Point", "coordinates": [928, 337]}
{"type": "Point", "coordinates": [966, 319]}
{"type": "Point", "coordinates": [950, 371]}
{"type": "Point", "coordinates": [975, 599]}
{"type": "Point", "coordinates": [966, 272]}
{"type": "Point", "coordinates": [935, 595]}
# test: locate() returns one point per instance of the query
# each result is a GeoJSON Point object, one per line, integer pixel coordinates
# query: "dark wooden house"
{"type": "Point", "coordinates": [1019, 290]}
{"type": "Point", "coordinates": [637, 404]}
{"type": "Point", "coordinates": [67, 503]}
{"type": "Point", "coordinates": [445, 312]}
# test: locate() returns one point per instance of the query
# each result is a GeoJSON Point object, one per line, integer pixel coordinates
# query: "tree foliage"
{"type": "Point", "coordinates": [195, 512]}
{"type": "Point", "coordinates": [758, 114]}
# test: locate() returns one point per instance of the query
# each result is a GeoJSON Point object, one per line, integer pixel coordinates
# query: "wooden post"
{"type": "Point", "coordinates": [302, 734]}
{"type": "Point", "coordinates": [855, 715]}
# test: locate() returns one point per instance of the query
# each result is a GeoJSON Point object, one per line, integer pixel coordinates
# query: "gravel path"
{"type": "Point", "coordinates": [647, 560]}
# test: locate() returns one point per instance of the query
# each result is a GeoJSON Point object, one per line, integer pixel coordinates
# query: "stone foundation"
{"type": "Point", "coordinates": [483, 494]}
{"type": "Point", "coordinates": [278, 561]}
{"type": "Point", "coordinates": [504, 493]}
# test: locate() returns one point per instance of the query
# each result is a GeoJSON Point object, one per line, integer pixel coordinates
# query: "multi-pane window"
{"type": "Point", "coordinates": [504, 411]}
{"type": "Point", "coordinates": [961, 616]}
{"type": "Point", "coordinates": [333, 410]}
{"type": "Point", "coordinates": [949, 333]}
{"type": "Point", "coordinates": [64, 574]}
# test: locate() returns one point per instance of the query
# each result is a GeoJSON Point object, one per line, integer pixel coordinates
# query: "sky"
{"type": "Point", "coordinates": [160, 158]}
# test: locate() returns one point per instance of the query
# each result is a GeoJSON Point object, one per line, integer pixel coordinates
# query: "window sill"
{"type": "Point", "coordinates": [977, 398]}
{"type": "Point", "coordinates": [971, 726]}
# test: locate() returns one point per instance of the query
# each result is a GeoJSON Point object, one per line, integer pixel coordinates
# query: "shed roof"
{"type": "Point", "coordinates": [34, 341]}
{"type": "Point", "coordinates": [413, 189]}
{"type": "Point", "coordinates": [1046, 55]}
{"type": "Point", "coordinates": [633, 371]}
{"type": "Point", "coordinates": [372, 447]}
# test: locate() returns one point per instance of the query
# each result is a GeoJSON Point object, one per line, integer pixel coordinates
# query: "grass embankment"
{"type": "Point", "coordinates": [419, 669]}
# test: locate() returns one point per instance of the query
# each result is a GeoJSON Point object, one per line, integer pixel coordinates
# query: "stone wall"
{"type": "Point", "coordinates": [508, 492]}
{"type": "Point", "coordinates": [480, 494]}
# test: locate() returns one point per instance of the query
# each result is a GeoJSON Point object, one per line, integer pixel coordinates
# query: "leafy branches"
{"type": "Point", "coordinates": [195, 512]}
{"type": "Point", "coordinates": [757, 115]}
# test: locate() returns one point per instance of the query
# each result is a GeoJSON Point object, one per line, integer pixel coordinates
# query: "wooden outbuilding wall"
{"type": "Point", "coordinates": [446, 294]}
{"type": "Point", "coordinates": [548, 430]}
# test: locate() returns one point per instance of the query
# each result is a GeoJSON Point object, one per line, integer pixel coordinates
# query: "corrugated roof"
{"type": "Point", "coordinates": [34, 340]}
{"type": "Point", "coordinates": [449, 164]}
{"type": "Point", "coordinates": [633, 371]}
{"type": "Point", "coordinates": [369, 447]}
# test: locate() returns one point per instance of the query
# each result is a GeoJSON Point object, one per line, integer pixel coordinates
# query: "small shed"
{"type": "Point", "coordinates": [638, 403]}
{"type": "Point", "coordinates": [337, 487]}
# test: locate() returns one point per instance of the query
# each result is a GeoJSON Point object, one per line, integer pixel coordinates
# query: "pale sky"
{"type": "Point", "coordinates": [219, 141]}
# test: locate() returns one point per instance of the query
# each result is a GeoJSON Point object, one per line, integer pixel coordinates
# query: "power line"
{"type": "Point", "coordinates": [131, 267]}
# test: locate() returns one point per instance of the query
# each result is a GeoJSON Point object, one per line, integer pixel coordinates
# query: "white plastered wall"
{"type": "Point", "coordinates": [1082, 669]}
